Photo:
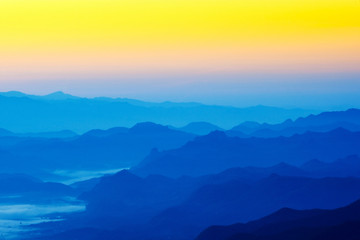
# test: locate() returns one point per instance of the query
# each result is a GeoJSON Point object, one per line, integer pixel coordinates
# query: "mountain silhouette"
{"type": "Point", "coordinates": [96, 150]}
{"type": "Point", "coordinates": [223, 204]}
{"type": "Point", "coordinates": [29, 113]}
{"type": "Point", "coordinates": [323, 122]}
{"type": "Point", "coordinates": [258, 180]}
{"type": "Point", "coordinates": [59, 95]}
{"type": "Point", "coordinates": [27, 189]}
{"type": "Point", "coordinates": [158, 207]}
{"type": "Point", "coordinates": [130, 198]}
{"type": "Point", "coordinates": [344, 167]}
{"type": "Point", "coordinates": [216, 152]}
{"type": "Point", "coordinates": [200, 128]}
{"type": "Point", "coordinates": [57, 134]}
{"type": "Point", "coordinates": [338, 224]}
{"type": "Point", "coordinates": [4, 132]}
{"type": "Point", "coordinates": [105, 133]}
{"type": "Point", "coordinates": [341, 223]}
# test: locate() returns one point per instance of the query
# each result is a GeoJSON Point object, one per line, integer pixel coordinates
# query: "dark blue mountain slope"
{"type": "Point", "coordinates": [341, 223]}
{"type": "Point", "coordinates": [222, 204]}
{"type": "Point", "coordinates": [160, 208]}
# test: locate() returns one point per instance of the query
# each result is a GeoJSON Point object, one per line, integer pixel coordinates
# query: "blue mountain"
{"type": "Point", "coordinates": [200, 128]}
{"type": "Point", "coordinates": [345, 167]}
{"type": "Point", "coordinates": [322, 122]}
{"type": "Point", "coordinates": [217, 152]}
{"type": "Point", "coordinates": [222, 204]}
{"type": "Point", "coordinates": [57, 134]}
{"type": "Point", "coordinates": [132, 199]}
{"type": "Point", "coordinates": [158, 207]}
{"type": "Point", "coordinates": [337, 224]}
{"type": "Point", "coordinates": [130, 207]}
{"type": "Point", "coordinates": [4, 132]}
{"type": "Point", "coordinates": [29, 113]}
{"type": "Point", "coordinates": [96, 150]}
{"type": "Point", "coordinates": [25, 189]}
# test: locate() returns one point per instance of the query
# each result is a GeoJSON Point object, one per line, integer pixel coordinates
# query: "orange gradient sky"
{"type": "Point", "coordinates": [52, 40]}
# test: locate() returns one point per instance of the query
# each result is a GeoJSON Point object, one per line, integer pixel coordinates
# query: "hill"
{"type": "Point", "coordinates": [21, 188]}
{"type": "Point", "coordinates": [337, 224]}
{"type": "Point", "coordinates": [156, 207]}
{"type": "Point", "coordinates": [226, 203]}
{"type": "Point", "coordinates": [93, 151]}
{"type": "Point", "coordinates": [323, 122]}
{"type": "Point", "coordinates": [29, 113]}
{"type": "Point", "coordinates": [217, 151]}
{"type": "Point", "coordinates": [200, 128]}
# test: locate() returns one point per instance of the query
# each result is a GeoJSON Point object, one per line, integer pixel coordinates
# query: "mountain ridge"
{"type": "Point", "coordinates": [201, 155]}
{"type": "Point", "coordinates": [286, 222]}
{"type": "Point", "coordinates": [29, 113]}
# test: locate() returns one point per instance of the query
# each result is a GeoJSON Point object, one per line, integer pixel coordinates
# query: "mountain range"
{"type": "Point", "coordinates": [95, 150]}
{"type": "Point", "coordinates": [236, 201]}
{"type": "Point", "coordinates": [26, 189]}
{"type": "Point", "coordinates": [323, 122]}
{"type": "Point", "coordinates": [158, 207]}
{"type": "Point", "coordinates": [150, 148]}
{"type": "Point", "coordinates": [29, 113]}
{"type": "Point", "coordinates": [200, 128]}
{"type": "Point", "coordinates": [217, 151]}
{"type": "Point", "coordinates": [286, 223]}
{"type": "Point", "coordinates": [169, 182]}
{"type": "Point", "coordinates": [56, 134]}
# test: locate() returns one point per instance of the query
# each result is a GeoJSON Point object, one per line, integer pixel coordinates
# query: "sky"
{"type": "Point", "coordinates": [236, 52]}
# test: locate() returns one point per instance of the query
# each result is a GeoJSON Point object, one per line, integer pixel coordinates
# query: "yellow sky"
{"type": "Point", "coordinates": [43, 38]}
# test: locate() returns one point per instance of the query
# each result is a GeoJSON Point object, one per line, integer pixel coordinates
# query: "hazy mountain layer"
{"type": "Point", "coordinates": [217, 151]}
{"type": "Point", "coordinates": [59, 111]}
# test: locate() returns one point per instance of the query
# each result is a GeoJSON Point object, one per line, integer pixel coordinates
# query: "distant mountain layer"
{"type": "Point", "coordinates": [29, 113]}
{"type": "Point", "coordinates": [95, 150]}
{"type": "Point", "coordinates": [58, 134]}
{"type": "Point", "coordinates": [216, 152]}
{"type": "Point", "coordinates": [338, 224]}
{"type": "Point", "coordinates": [345, 167]}
{"type": "Point", "coordinates": [122, 147]}
{"type": "Point", "coordinates": [200, 128]}
{"type": "Point", "coordinates": [21, 188]}
{"type": "Point", "coordinates": [322, 122]}
{"type": "Point", "coordinates": [132, 199]}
